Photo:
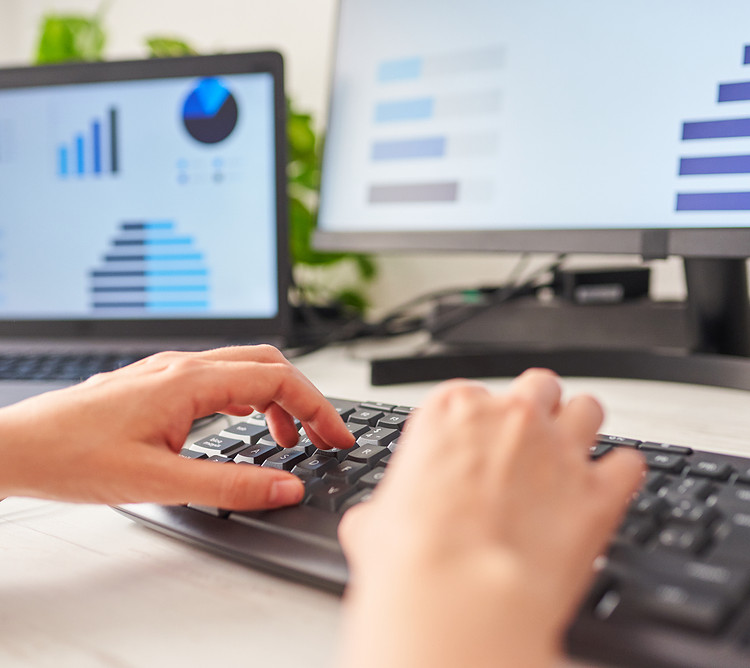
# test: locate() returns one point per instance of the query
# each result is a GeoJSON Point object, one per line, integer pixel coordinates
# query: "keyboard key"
{"type": "Point", "coordinates": [344, 408]}
{"type": "Point", "coordinates": [666, 447]}
{"type": "Point", "coordinates": [192, 454]}
{"type": "Point", "coordinates": [368, 454]}
{"type": "Point", "coordinates": [246, 432]}
{"type": "Point", "coordinates": [366, 416]}
{"type": "Point", "coordinates": [346, 472]}
{"type": "Point", "coordinates": [599, 450]}
{"type": "Point", "coordinates": [256, 454]}
{"type": "Point", "coordinates": [372, 478]}
{"type": "Point", "coordinates": [357, 429]}
{"type": "Point", "coordinates": [710, 469]}
{"type": "Point", "coordinates": [663, 462]}
{"type": "Point", "coordinates": [378, 406]}
{"type": "Point", "coordinates": [330, 496]}
{"type": "Point", "coordinates": [285, 460]}
{"type": "Point", "coordinates": [314, 466]}
{"type": "Point", "coordinates": [393, 421]}
{"type": "Point", "coordinates": [359, 497]}
{"type": "Point", "coordinates": [404, 410]}
{"type": "Point", "coordinates": [379, 436]}
{"type": "Point", "coordinates": [218, 445]}
{"type": "Point", "coordinates": [690, 539]}
{"type": "Point", "coordinates": [617, 440]}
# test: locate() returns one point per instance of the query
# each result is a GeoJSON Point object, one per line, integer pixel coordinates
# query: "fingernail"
{"type": "Point", "coordinates": [285, 492]}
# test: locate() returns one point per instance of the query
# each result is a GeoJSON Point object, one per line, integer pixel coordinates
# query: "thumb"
{"type": "Point", "coordinates": [170, 479]}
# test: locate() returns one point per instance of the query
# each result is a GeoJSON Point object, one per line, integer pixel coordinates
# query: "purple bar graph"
{"type": "Point", "coordinates": [747, 55]}
{"type": "Point", "coordinates": [737, 201]}
{"type": "Point", "coordinates": [730, 127]}
{"type": "Point", "coordinates": [719, 164]}
{"type": "Point", "coordinates": [734, 92]}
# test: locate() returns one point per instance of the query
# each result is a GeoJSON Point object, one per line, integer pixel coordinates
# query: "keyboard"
{"type": "Point", "coordinates": [67, 366]}
{"type": "Point", "coordinates": [673, 589]}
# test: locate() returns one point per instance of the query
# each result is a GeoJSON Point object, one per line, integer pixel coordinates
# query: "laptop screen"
{"type": "Point", "coordinates": [148, 194]}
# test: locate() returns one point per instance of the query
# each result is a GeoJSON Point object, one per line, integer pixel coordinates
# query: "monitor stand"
{"type": "Point", "coordinates": [716, 350]}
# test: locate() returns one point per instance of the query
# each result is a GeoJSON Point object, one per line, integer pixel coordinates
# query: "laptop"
{"type": "Point", "coordinates": [142, 208]}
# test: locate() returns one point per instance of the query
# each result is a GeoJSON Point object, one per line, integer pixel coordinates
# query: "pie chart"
{"type": "Point", "coordinates": [210, 112]}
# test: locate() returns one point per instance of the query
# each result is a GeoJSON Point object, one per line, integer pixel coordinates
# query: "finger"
{"type": "Point", "coordinates": [350, 527]}
{"type": "Point", "coordinates": [540, 386]}
{"type": "Point", "coordinates": [282, 426]}
{"type": "Point", "coordinates": [257, 353]}
{"type": "Point", "coordinates": [580, 420]}
{"type": "Point", "coordinates": [216, 385]}
{"type": "Point", "coordinates": [618, 476]}
{"type": "Point", "coordinates": [161, 477]}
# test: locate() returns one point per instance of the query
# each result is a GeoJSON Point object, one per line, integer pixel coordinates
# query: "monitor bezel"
{"type": "Point", "coordinates": [654, 242]}
{"type": "Point", "coordinates": [230, 329]}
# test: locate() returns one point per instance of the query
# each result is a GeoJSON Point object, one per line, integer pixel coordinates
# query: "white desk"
{"type": "Point", "coordinates": [83, 586]}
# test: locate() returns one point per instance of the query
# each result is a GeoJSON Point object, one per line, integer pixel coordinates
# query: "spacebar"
{"type": "Point", "coordinates": [302, 522]}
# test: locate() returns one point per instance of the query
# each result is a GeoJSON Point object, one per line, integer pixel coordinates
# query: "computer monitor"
{"type": "Point", "coordinates": [144, 198]}
{"type": "Point", "coordinates": [546, 126]}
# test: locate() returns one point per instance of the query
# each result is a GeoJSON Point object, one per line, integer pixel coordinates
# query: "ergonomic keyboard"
{"type": "Point", "coordinates": [60, 366]}
{"type": "Point", "coordinates": [673, 590]}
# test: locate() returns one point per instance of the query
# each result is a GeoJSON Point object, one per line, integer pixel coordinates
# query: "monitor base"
{"type": "Point", "coordinates": [681, 367]}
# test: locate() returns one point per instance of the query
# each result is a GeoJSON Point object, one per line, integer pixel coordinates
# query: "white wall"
{"type": "Point", "coordinates": [303, 31]}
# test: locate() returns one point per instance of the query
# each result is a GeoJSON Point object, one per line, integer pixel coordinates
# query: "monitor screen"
{"type": "Point", "coordinates": [147, 194]}
{"type": "Point", "coordinates": [537, 116]}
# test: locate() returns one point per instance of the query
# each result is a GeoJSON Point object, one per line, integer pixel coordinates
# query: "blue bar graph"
{"type": "Point", "coordinates": [730, 127]}
{"type": "Point", "coordinates": [398, 70]}
{"type": "Point", "coordinates": [93, 151]}
{"type": "Point", "coordinates": [719, 164]}
{"type": "Point", "coordinates": [734, 92]}
{"type": "Point", "coordinates": [730, 201]}
{"type": "Point", "coordinates": [405, 149]}
{"type": "Point", "coordinates": [63, 160]}
{"type": "Point", "coordinates": [404, 110]}
{"type": "Point", "coordinates": [747, 55]}
{"type": "Point", "coordinates": [80, 163]}
{"type": "Point", "coordinates": [96, 136]}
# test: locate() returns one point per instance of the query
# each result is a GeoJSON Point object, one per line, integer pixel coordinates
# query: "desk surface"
{"type": "Point", "coordinates": [83, 586]}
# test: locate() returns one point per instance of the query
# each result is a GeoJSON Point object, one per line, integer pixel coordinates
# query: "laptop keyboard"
{"type": "Point", "coordinates": [72, 367]}
{"type": "Point", "coordinates": [672, 591]}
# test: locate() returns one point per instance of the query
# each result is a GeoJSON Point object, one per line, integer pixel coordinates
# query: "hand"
{"type": "Point", "coordinates": [478, 545]}
{"type": "Point", "coordinates": [114, 438]}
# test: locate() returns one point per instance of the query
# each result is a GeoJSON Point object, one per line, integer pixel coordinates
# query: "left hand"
{"type": "Point", "coordinates": [113, 438]}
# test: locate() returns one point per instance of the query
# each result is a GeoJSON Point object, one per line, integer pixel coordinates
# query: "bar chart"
{"type": "Point", "coordinates": [95, 150]}
{"type": "Point", "coordinates": [149, 267]}
{"type": "Point", "coordinates": [736, 127]}
{"type": "Point", "coordinates": [441, 134]}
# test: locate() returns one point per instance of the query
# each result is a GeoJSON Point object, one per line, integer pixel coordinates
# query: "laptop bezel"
{"type": "Point", "coordinates": [274, 328]}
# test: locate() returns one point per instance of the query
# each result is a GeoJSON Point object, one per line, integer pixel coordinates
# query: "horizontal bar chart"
{"type": "Point", "coordinates": [444, 64]}
{"type": "Point", "coordinates": [734, 92]}
{"type": "Point", "coordinates": [148, 266]}
{"type": "Point", "coordinates": [401, 193]}
{"type": "Point", "coordinates": [747, 55]}
{"type": "Point", "coordinates": [427, 147]}
{"type": "Point", "coordinates": [720, 164]}
{"type": "Point", "coordinates": [719, 129]}
{"type": "Point", "coordinates": [404, 110]}
{"type": "Point", "coordinates": [719, 201]}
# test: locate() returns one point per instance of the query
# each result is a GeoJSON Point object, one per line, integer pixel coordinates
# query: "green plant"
{"type": "Point", "coordinates": [75, 37]}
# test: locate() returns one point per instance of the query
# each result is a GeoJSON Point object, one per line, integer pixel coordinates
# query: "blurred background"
{"type": "Point", "coordinates": [303, 30]}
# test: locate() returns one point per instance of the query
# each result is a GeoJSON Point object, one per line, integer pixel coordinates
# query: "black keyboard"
{"type": "Point", "coordinates": [673, 590]}
{"type": "Point", "coordinates": [61, 366]}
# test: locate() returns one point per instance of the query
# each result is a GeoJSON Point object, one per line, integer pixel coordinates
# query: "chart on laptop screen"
{"type": "Point", "coordinates": [139, 199]}
{"type": "Point", "coordinates": [539, 114]}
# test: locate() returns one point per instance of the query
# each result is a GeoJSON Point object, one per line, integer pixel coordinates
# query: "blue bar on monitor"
{"type": "Point", "coordinates": [79, 154]}
{"type": "Point", "coordinates": [405, 149]}
{"type": "Point", "coordinates": [165, 225]}
{"type": "Point", "coordinates": [96, 136]}
{"type": "Point", "coordinates": [747, 55]}
{"type": "Point", "coordinates": [739, 201]}
{"type": "Point", "coordinates": [734, 92]}
{"type": "Point", "coordinates": [404, 110]}
{"type": "Point", "coordinates": [730, 127]}
{"type": "Point", "coordinates": [397, 70]}
{"type": "Point", "coordinates": [62, 156]}
{"type": "Point", "coordinates": [719, 164]}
